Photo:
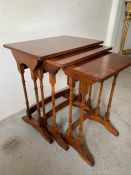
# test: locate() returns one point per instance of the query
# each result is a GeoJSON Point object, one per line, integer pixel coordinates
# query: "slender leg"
{"type": "Point", "coordinates": [77, 143]}
{"type": "Point", "coordinates": [25, 92]}
{"type": "Point", "coordinates": [63, 93]}
{"type": "Point", "coordinates": [39, 123]}
{"type": "Point", "coordinates": [81, 118]}
{"type": "Point", "coordinates": [40, 76]}
{"type": "Point", "coordinates": [110, 99]}
{"type": "Point", "coordinates": [34, 78]}
{"type": "Point", "coordinates": [94, 115]}
{"type": "Point", "coordinates": [52, 82]}
{"type": "Point", "coordinates": [124, 33]}
{"type": "Point", "coordinates": [69, 130]}
{"type": "Point", "coordinates": [89, 98]}
{"type": "Point", "coordinates": [55, 134]}
{"type": "Point", "coordinates": [79, 94]}
{"type": "Point", "coordinates": [97, 109]}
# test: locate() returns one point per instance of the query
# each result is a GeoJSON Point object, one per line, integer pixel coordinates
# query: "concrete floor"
{"type": "Point", "coordinates": [24, 152]}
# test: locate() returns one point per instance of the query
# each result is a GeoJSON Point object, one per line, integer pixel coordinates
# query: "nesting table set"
{"type": "Point", "coordinates": [85, 61]}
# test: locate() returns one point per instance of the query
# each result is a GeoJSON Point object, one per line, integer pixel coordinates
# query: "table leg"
{"type": "Point", "coordinates": [77, 143]}
{"type": "Point", "coordinates": [69, 130]}
{"type": "Point", "coordinates": [110, 99]}
{"type": "Point", "coordinates": [38, 124]}
{"type": "Point", "coordinates": [88, 103]}
{"type": "Point", "coordinates": [25, 92]}
{"type": "Point", "coordinates": [40, 76]}
{"type": "Point", "coordinates": [53, 130]}
{"type": "Point", "coordinates": [34, 78]}
{"type": "Point", "coordinates": [95, 114]}
{"type": "Point", "coordinates": [97, 109]}
{"type": "Point", "coordinates": [79, 94]}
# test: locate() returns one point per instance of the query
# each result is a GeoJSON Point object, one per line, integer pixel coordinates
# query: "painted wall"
{"type": "Point", "coordinates": [31, 19]}
{"type": "Point", "coordinates": [113, 22]}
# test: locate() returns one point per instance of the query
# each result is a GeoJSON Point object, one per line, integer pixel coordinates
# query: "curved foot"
{"type": "Point", "coordinates": [100, 119]}
{"type": "Point", "coordinates": [107, 124]}
{"type": "Point", "coordinates": [59, 138]}
{"type": "Point", "coordinates": [42, 130]}
{"type": "Point", "coordinates": [85, 155]}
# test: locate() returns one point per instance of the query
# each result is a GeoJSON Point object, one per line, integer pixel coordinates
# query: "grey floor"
{"type": "Point", "coordinates": [24, 152]}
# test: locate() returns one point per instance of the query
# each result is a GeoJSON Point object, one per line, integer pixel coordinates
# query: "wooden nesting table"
{"type": "Point", "coordinates": [83, 60]}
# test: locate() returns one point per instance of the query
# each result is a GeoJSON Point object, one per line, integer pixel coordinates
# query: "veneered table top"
{"type": "Point", "coordinates": [101, 67]}
{"type": "Point", "coordinates": [54, 46]}
{"type": "Point", "coordinates": [79, 56]}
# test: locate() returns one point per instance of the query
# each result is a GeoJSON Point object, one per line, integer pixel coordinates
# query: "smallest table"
{"type": "Point", "coordinates": [88, 72]}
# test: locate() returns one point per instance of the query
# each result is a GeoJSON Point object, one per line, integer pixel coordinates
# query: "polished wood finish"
{"type": "Point", "coordinates": [77, 143]}
{"type": "Point", "coordinates": [97, 109]}
{"type": "Point", "coordinates": [52, 78]}
{"type": "Point", "coordinates": [40, 76]}
{"type": "Point", "coordinates": [88, 103]}
{"type": "Point", "coordinates": [110, 99]}
{"type": "Point", "coordinates": [50, 47]}
{"type": "Point", "coordinates": [94, 114]}
{"type": "Point", "coordinates": [69, 130]}
{"type": "Point", "coordinates": [83, 60]}
{"type": "Point", "coordinates": [48, 99]}
{"type": "Point", "coordinates": [100, 68]}
{"type": "Point", "coordinates": [76, 57]}
{"type": "Point", "coordinates": [37, 124]}
{"type": "Point", "coordinates": [57, 108]}
{"type": "Point", "coordinates": [25, 91]}
{"type": "Point", "coordinates": [98, 118]}
{"type": "Point", "coordinates": [33, 55]}
{"type": "Point", "coordinates": [34, 78]}
{"type": "Point", "coordinates": [54, 132]}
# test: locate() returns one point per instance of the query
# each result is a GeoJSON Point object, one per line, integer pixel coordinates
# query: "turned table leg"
{"type": "Point", "coordinates": [38, 124]}
{"type": "Point", "coordinates": [69, 130]}
{"type": "Point", "coordinates": [80, 136]}
{"type": "Point", "coordinates": [107, 114]}
{"type": "Point", "coordinates": [104, 120]}
{"type": "Point", "coordinates": [40, 76]}
{"type": "Point", "coordinates": [95, 114]}
{"type": "Point", "coordinates": [25, 91]}
{"type": "Point", "coordinates": [97, 109]}
{"type": "Point", "coordinates": [88, 103]}
{"type": "Point", "coordinates": [55, 134]}
{"type": "Point", "coordinates": [77, 143]}
{"type": "Point", "coordinates": [34, 78]}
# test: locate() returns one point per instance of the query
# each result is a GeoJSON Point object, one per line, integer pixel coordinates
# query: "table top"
{"type": "Point", "coordinates": [53, 46]}
{"type": "Point", "coordinates": [101, 67]}
{"type": "Point", "coordinates": [79, 56]}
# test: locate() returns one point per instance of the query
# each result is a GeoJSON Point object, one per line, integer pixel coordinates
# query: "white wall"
{"type": "Point", "coordinates": [113, 22]}
{"type": "Point", "coordinates": [30, 19]}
